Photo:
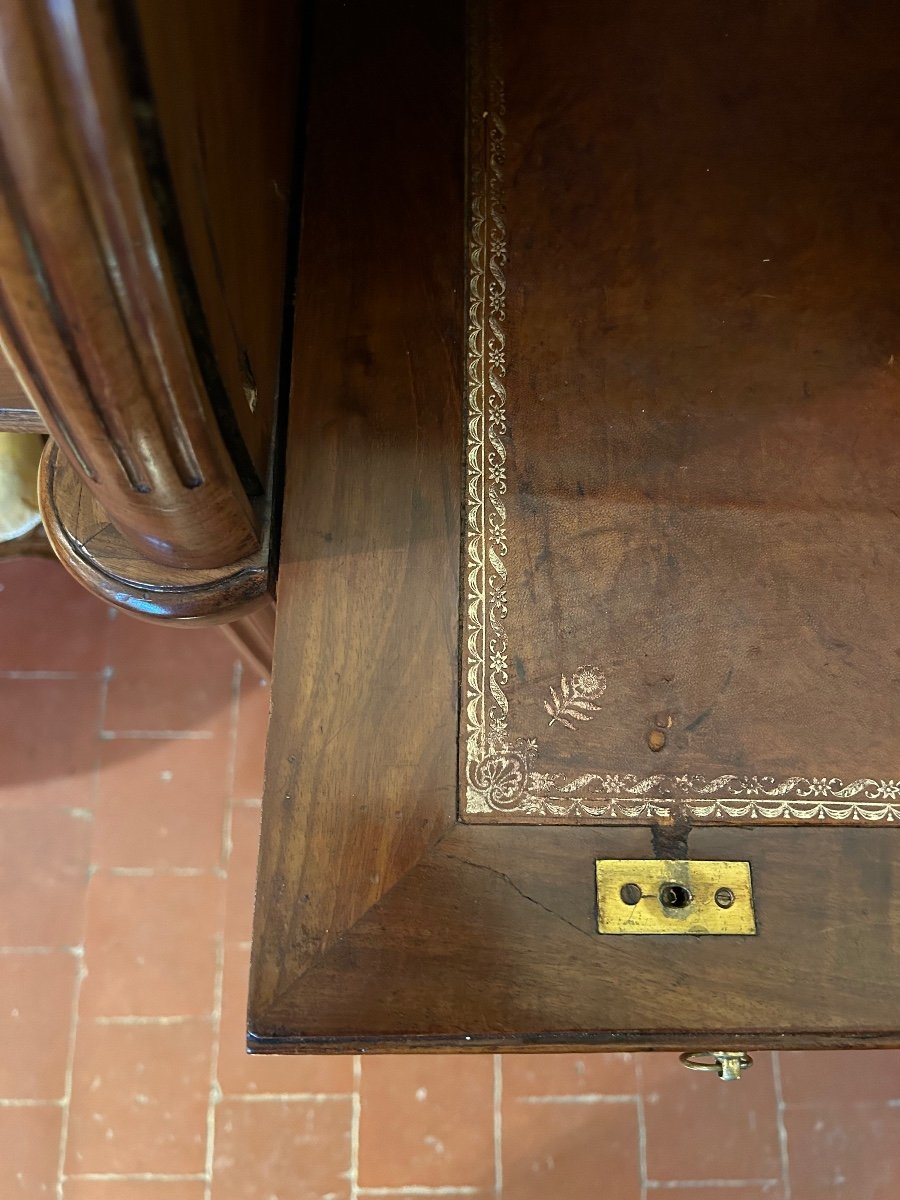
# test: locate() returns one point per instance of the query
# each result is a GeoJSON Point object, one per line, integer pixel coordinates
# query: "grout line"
{"type": "Point", "coordinates": [145, 872]}
{"type": "Point", "coordinates": [276, 1097]}
{"type": "Point", "coordinates": [141, 1177]}
{"type": "Point", "coordinates": [233, 722]}
{"type": "Point", "coordinates": [234, 716]}
{"type": "Point", "coordinates": [355, 1112]}
{"type": "Point", "coordinates": [214, 1091]}
{"type": "Point", "coordinates": [81, 973]}
{"type": "Point", "coordinates": [12, 1102]}
{"type": "Point", "coordinates": [67, 1087]}
{"type": "Point", "coordinates": [498, 1127]}
{"type": "Point", "coordinates": [51, 675]}
{"type": "Point", "coordinates": [585, 1098]}
{"type": "Point", "coordinates": [414, 1190]}
{"type": "Point", "coordinates": [675, 1184]}
{"type": "Point", "coordinates": [815, 1105]}
{"type": "Point", "coordinates": [105, 677]}
{"type": "Point", "coordinates": [162, 735]}
{"type": "Point", "coordinates": [76, 951]}
{"type": "Point", "coordinates": [782, 1128]}
{"type": "Point", "coordinates": [179, 1019]}
{"type": "Point", "coordinates": [642, 1125]}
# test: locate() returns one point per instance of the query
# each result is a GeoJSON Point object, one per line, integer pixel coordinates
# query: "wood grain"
{"type": "Point", "coordinates": [95, 553]}
{"type": "Point", "coordinates": [91, 313]}
{"type": "Point", "coordinates": [382, 922]}
{"type": "Point", "coordinates": [21, 420]}
{"type": "Point", "coordinates": [491, 943]}
{"type": "Point", "coordinates": [223, 78]}
{"type": "Point", "coordinates": [361, 760]}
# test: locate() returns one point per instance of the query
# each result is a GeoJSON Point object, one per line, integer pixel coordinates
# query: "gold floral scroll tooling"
{"type": "Point", "coordinates": [501, 774]}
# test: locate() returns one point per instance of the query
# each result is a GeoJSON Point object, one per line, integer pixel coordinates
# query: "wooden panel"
{"type": "Point", "coordinates": [91, 313]}
{"type": "Point", "coordinates": [382, 922]}
{"type": "Point", "coordinates": [492, 943]}
{"type": "Point", "coordinates": [223, 79]}
{"type": "Point", "coordinates": [361, 758]}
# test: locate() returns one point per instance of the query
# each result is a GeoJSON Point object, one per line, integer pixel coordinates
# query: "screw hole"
{"type": "Point", "coordinates": [674, 895]}
{"type": "Point", "coordinates": [630, 893]}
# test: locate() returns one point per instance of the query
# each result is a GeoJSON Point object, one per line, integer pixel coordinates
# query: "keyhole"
{"type": "Point", "coordinates": [674, 895]}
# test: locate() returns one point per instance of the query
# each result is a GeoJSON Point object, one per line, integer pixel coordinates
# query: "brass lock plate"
{"type": "Point", "coordinates": [650, 895]}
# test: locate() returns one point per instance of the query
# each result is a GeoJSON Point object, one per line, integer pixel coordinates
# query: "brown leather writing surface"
{"type": "Point", "coordinates": [683, 563]}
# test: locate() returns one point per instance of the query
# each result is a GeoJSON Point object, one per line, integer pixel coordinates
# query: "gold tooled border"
{"type": "Point", "coordinates": [500, 776]}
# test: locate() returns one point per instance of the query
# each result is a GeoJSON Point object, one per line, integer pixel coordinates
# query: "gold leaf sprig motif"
{"type": "Point", "coordinates": [577, 696]}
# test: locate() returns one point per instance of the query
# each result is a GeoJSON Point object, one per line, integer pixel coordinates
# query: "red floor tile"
{"type": "Point", "coordinates": [44, 857]}
{"type": "Point", "coordinates": [168, 678]}
{"type": "Point", "coordinates": [427, 1120]}
{"type": "Point", "coordinates": [133, 1189]}
{"type": "Point", "coordinates": [29, 1151]}
{"type": "Point", "coordinates": [574, 1150]}
{"type": "Point", "coordinates": [161, 804]}
{"type": "Point", "coordinates": [49, 741]}
{"type": "Point", "coordinates": [841, 1077]}
{"type": "Point", "coordinates": [271, 1148]}
{"type": "Point", "coordinates": [36, 996]}
{"type": "Point", "coordinates": [141, 1091]}
{"type": "Point", "coordinates": [723, 1131]}
{"type": "Point", "coordinates": [568, 1074]}
{"type": "Point", "coordinates": [151, 945]}
{"type": "Point", "coordinates": [844, 1153]}
{"type": "Point", "coordinates": [241, 1073]}
{"type": "Point", "coordinates": [240, 890]}
{"type": "Point", "coordinates": [140, 1095]}
{"type": "Point", "coordinates": [48, 621]}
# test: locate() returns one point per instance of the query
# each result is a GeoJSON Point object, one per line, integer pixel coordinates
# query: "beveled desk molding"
{"type": "Point", "coordinates": [635, 1041]}
{"type": "Point", "coordinates": [93, 551]}
{"type": "Point", "coordinates": [92, 317]}
{"type": "Point", "coordinates": [502, 778]}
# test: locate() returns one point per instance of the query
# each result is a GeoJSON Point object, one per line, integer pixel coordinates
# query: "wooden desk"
{"type": "Point", "coordinates": [630, 365]}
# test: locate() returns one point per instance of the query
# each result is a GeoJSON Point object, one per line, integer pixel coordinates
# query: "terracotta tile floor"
{"type": "Point", "coordinates": [129, 809]}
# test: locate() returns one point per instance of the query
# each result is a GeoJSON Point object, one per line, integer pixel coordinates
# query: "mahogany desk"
{"type": "Point", "coordinates": [589, 542]}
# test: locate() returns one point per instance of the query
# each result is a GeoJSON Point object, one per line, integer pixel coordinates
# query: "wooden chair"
{"type": "Point", "coordinates": [149, 207]}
